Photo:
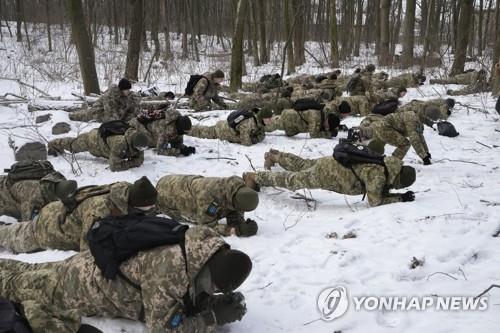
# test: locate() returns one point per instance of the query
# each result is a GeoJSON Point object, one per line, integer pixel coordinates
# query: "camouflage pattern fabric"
{"type": "Point", "coordinates": [327, 174]}
{"type": "Point", "coordinates": [407, 80]}
{"type": "Point", "coordinates": [191, 199]}
{"type": "Point", "coordinates": [205, 91]}
{"type": "Point", "coordinates": [162, 133]}
{"type": "Point", "coordinates": [54, 296]}
{"type": "Point", "coordinates": [249, 132]}
{"type": "Point", "coordinates": [112, 105]}
{"type": "Point", "coordinates": [359, 104]}
{"type": "Point", "coordinates": [465, 78]}
{"type": "Point", "coordinates": [117, 149]}
{"type": "Point", "coordinates": [419, 106]}
{"type": "Point", "coordinates": [364, 84]}
{"type": "Point", "coordinates": [294, 122]}
{"type": "Point", "coordinates": [480, 84]}
{"type": "Point", "coordinates": [57, 228]}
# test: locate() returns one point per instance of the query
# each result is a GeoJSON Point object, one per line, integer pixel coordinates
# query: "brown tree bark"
{"type": "Point", "coordinates": [464, 21]}
{"type": "Point", "coordinates": [289, 26]}
{"type": "Point", "coordinates": [237, 57]}
{"type": "Point", "coordinates": [264, 54]}
{"type": "Point", "coordinates": [409, 34]}
{"type": "Point", "coordinates": [334, 48]}
{"type": "Point", "coordinates": [384, 56]}
{"type": "Point", "coordinates": [134, 42]}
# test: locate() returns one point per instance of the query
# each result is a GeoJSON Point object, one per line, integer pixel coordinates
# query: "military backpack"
{"type": "Point", "coordinates": [193, 80]}
{"type": "Point", "coordinates": [84, 193]}
{"type": "Point", "coordinates": [303, 104]}
{"type": "Point", "coordinates": [349, 154]}
{"type": "Point", "coordinates": [29, 170]}
{"type": "Point", "coordinates": [353, 82]}
{"type": "Point", "coordinates": [113, 127]}
{"type": "Point", "coordinates": [11, 320]}
{"type": "Point", "coordinates": [446, 128]}
{"type": "Point", "coordinates": [386, 107]}
{"type": "Point", "coordinates": [236, 117]}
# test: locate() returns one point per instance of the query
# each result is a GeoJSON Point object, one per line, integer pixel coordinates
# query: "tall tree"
{"type": "Point", "coordinates": [384, 55]}
{"type": "Point", "coordinates": [134, 42]}
{"type": "Point", "coordinates": [264, 55]}
{"type": "Point", "coordinates": [464, 21]}
{"type": "Point", "coordinates": [289, 27]}
{"type": "Point", "coordinates": [47, 13]}
{"type": "Point", "coordinates": [83, 46]}
{"type": "Point", "coordinates": [334, 46]}
{"type": "Point", "coordinates": [19, 20]}
{"type": "Point", "coordinates": [237, 47]}
{"type": "Point", "coordinates": [409, 34]}
{"type": "Point", "coordinates": [298, 9]}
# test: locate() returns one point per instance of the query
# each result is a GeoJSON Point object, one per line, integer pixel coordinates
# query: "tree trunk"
{"type": "Point", "coordinates": [289, 26]}
{"type": "Point", "coordinates": [168, 50]}
{"type": "Point", "coordinates": [83, 46]}
{"type": "Point", "coordinates": [155, 23]}
{"type": "Point", "coordinates": [237, 47]}
{"type": "Point", "coordinates": [134, 42]}
{"type": "Point", "coordinates": [496, 51]}
{"type": "Point", "coordinates": [298, 9]}
{"type": "Point", "coordinates": [47, 13]}
{"type": "Point", "coordinates": [480, 30]}
{"type": "Point", "coordinates": [254, 33]}
{"type": "Point", "coordinates": [115, 22]}
{"type": "Point", "coordinates": [464, 21]}
{"type": "Point", "coordinates": [334, 48]}
{"type": "Point", "coordinates": [264, 55]}
{"type": "Point", "coordinates": [384, 56]}
{"type": "Point", "coordinates": [184, 24]}
{"type": "Point", "coordinates": [378, 26]}
{"type": "Point", "coordinates": [409, 34]}
{"type": "Point", "coordinates": [359, 27]}
{"type": "Point", "coordinates": [19, 20]}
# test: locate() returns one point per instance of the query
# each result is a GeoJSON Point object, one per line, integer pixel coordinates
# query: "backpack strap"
{"type": "Point", "coordinates": [360, 181]}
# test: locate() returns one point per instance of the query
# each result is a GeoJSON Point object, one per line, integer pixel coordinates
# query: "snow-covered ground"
{"type": "Point", "coordinates": [449, 226]}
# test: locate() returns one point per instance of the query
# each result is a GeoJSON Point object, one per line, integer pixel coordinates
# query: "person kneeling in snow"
{"type": "Point", "coordinates": [326, 173]}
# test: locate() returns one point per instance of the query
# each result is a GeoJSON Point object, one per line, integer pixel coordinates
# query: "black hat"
{"type": "Point", "coordinates": [450, 103]}
{"type": "Point", "coordinates": [218, 74]}
{"type": "Point", "coordinates": [370, 68]}
{"type": "Point", "coordinates": [332, 76]}
{"type": "Point", "coordinates": [357, 70]}
{"type": "Point", "coordinates": [333, 121]}
{"type": "Point", "coordinates": [142, 193]}
{"type": "Point", "coordinates": [124, 84]}
{"type": "Point", "coordinates": [344, 107]}
{"type": "Point", "coordinates": [183, 124]}
{"type": "Point", "coordinates": [286, 93]}
{"type": "Point", "coordinates": [320, 78]}
{"type": "Point", "coordinates": [229, 269]}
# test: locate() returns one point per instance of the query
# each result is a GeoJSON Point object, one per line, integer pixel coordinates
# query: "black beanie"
{"type": "Point", "coordinates": [229, 269]}
{"type": "Point", "coordinates": [450, 103]}
{"type": "Point", "coordinates": [344, 107]}
{"type": "Point", "coordinates": [124, 84]}
{"type": "Point", "coordinates": [218, 74]}
{"type": "Point", "coordinates": [142, 193]}
{"type": "Point", "coordinates": [333, 121]}
{"type": "Point", "coordinates": [183, 124]}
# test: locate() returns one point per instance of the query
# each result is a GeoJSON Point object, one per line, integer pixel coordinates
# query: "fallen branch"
{"type": "Point", "coordinates": [446, 274]}
{"type": "Point", "coordinates": [27, 85]}
{"type": "Point", "coordinates": [220, 158]}
{"type": "Point", "coordinates": [482, 144]}
{"type": "Point", "coordinates": [461, 161]}
{"type": "Point", "coordinates": [13, 95]}
{"type": "Point", "coordinates": [487, 289]}
{"type": "Point", "coordinates": [490, 203]}
{"type": "Point", "coordinates": [250, 161]}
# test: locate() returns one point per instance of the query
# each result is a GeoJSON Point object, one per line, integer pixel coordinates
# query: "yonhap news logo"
{"type": "Point", "coordinates": [333, 302]}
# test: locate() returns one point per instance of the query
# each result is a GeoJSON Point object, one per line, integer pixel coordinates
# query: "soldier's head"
{"type": "Point", "coordinates": [168, 95]}
{"type": "Point", "coordinates": [406, 177]}
{"type": "Point", "coordinates": [450, 104]}
{"type": "Point", "coordinates": [142, 194]}
{"type": "Point", "coordinates": [245, 199]}
{"type": "Point", "coordinates": [218, 76]}
{"type": "Point", "coordinates": [345, 109]}
{"type": "Point", "coordinates": [139, 141]}
{"type": "Point", "coordinates": [65, 188]}
{"type": "Point", "coordinates": [124, 85]}
{"type": "Point", "coordinates": [337, 72]}
{"type": "Point", "coordinates": [357, 70]}
{"type": "Point", "coordinates": [332, 76]}
{"type": "Point", "coordinates": [402, 92]}
{"type": "Point", "coordinates": [265, 114]}
{"type": "Point", "coordinates": [370, 68]}
{"type": "Point", "coordinates": [229, 269]}
{"type": "Point", "coordinates": [182, 124]}
{"type": "Point", "coordinates": [332, 123]}
{"type": "Point", "coordinates": [287, 93]}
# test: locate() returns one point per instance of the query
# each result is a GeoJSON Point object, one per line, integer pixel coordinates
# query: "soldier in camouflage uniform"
{"type": "Point", "coordinates": [60, 225]}
{"type": "Point", "coordinates": [23, 199]}
{"type": "Point", "coordinates": [207, 200]}
{"type": "Point", "coordinates": [165, 134]}
{"type": "Point", "coordinates": [466, 78]}
{"type": "Point", "coordinates": [122, 151]}
{"type": "Point", "coordinates": [249, 132]}
{"type": "Point", "coordinates": [117, 103]}
{"type": "Point", "coordinates": [408, 80]}
{"type": "Point", "coordinates": [318, 123]}
{"type": "Point", "coordinates": [386, 95]}
{"type": "Point", "coordinates": [327, 174]}
{"type": "Point", "coordinates": [206, 90]}
{"type": "Point", "coordinates": [403, 130]}
{"type": "Point", "coordinates": [359, 104]}
{"type": "Point", "coordinates": [364, 83]}
{"type": "Point", "coordinates": [445, 106]}
{"type": "Point", "coordinates": [480, 84]}
{"type": "Point", "coordinates": [55, 296]}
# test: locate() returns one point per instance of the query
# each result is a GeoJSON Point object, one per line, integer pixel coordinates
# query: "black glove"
{"type": "Point", "coordinates": [247, 228]}
{"type": "Point", "coordinates": [427, 159]}
{"type": "Point", "coordinates": [408, 196]}
{"type": "Point", "coordinates": [84, 328]}
{"type": "Point", "coordinates": [229, 308]}
{"type": "Point", "coordinates": [343, 128]}
{"type": "Point", "coordinates": [187, 150]}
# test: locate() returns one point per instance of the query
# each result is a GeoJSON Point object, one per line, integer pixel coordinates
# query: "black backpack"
{"type": "Point", "coordinates": [193, 80]}
{"type": "Point", "coordinates": [113, 240]}
{"type": "Point", "coordinates": [11, 320]}
{"type": "Point", "coordinates": [236, 117]}
{"type": "Point", "coordinates": [386, 107]}
{"type": "Point", "coordinates": [303, 104]}
{"type": "Point", "coordinates": [113, 127]}
{"type": "Point", "coordinates": [349, 154]}
{"type": "Point", "coordinates": [29, 170]}
{"type": "Point", "coordinates": [446, 128]}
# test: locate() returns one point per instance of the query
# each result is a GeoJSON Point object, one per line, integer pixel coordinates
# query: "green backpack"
{"type": "Point", "coordinates": [29, 170]}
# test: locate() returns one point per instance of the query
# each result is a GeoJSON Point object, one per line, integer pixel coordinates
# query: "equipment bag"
{"type": "Point", "coordinates": [113, 240]}
{"type": "Point", "coordinates": [446, 128]}
{"type": "Point", "coordinates": [303, 104]}
{"type": "Point", "coordinates": [113, 127]}
{"type": "Point", "coordinates": [236, 117]}
{"type": "Point", "coordinates": [84, 193]}
{"type": "Point", "coordinates": [32, 170]}
{"type": "Point", "coordinates": [11, 320]}
{"type": "Point", "coordinates": [386, 107]}
{"type": "Point", "coordinates": [348, 154]}
{"type": "Point", "coordinates": [193, 80]}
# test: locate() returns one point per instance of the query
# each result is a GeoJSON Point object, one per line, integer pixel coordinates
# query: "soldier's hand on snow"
{"type": "Point", "coordinates": [187, 150]}
{"type": "Point", "coordinates": [247, 228]}
{"type": "Point", "coordinates": [427, 159]}
{"type": "Point", "coordinates": [408, 196]}
{"type": "Point", "coordinates": [229, 308]}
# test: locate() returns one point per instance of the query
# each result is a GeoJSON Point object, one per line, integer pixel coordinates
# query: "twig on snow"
{"type": "Point", "coordinates": [251, 164]}
{"type": "Point", "coordinates": [446, 274]}
{"type": "Point", "coordinates": [487, 289]}
{"type": "Point", "coordinates": [220, 158]}
{"type": "Point", "coordinates": [461, 161]}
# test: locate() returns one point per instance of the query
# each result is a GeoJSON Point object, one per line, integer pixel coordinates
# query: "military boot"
{"type": "Point", "coordinates": [270, 158]}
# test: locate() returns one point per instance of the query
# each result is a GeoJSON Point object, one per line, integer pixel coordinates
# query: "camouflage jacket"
{"type": "Point", "coordinates": [54, 296]}
{"type": "Point", "coordinates": [113, 105]}
{"type": "Point", "coordinates": [294, 122]}
{"type": "Point", "coordinates": [419, 106]}
{"type": "Point", "coordinates": [359, 104]}
{"type": "Point", "coordinates": [406, 80]}
{"type": "Point", "coordinates": [205, 91]}
{"type": "Point", "coordinates": [201, 200]}
{"type": "Point", "coordinates": [249, 132]}
{"type": "Point", "coordinates": [364, 84]}
{"type": "Point", "coordinates": [162, 133]}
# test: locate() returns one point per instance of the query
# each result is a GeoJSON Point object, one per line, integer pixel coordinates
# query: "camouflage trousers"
{"type": "Point", "coordinates": [276, 124]}
{"type": "Point", "coordinates": [32, 286]}
{"type": "Point", "coordinates": [200, 104]}
{"type": "Point", "coordinates": [468, 90]}
{"type": "Point", "coordinates": [204, 132]}
{"type": "Point", "coordinates": [448, 81]}
{"type": "Point", "coordinates": [74, 145]}
{"type": "Point", "coordinates": [383, 135]}
{"type": "Point", "coordinates": [83, 115]}
{"type": "Point", "coordinates": [301, 173]}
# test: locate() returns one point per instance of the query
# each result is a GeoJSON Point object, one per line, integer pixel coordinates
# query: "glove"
{"type": "Point", "coordinates": [427, 159]}
{"type": "Point", "coordinates": [343, 128]}
{"type": "Point", "coordinates": [247, 228]}
{"type": "Point", "coordinates": [88, 329]}
{"type": "Point", "coordinates": [187, 150]}
{"type": "Point", "coordinates": [229, 308]}
{"type": "Point", "coordinates": [408, 196]}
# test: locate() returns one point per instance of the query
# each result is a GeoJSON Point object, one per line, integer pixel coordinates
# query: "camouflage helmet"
{"type": "Point", "coordinates": [406, 177]}
{"type": "Point", "coordinates": [245, 199]}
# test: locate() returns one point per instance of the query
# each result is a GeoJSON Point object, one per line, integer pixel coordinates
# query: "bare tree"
{"type": "Point", "coordinates": [384, 55]}
{"type": "Point", "coordinates": [237, 57]}
{"type": "Point", "coordinates": [134, 42]}
{"type": "Point", "coordinates": [466, 11]}
{"type": "Point", "coordinates": [334, 48]}
{"type": "Point", "coordinates": [289, 27]}
{"type": "Point", "coordinates": [409, 34]}
{"type": "Point", "coordinates": [264, 55]}
{"type": "Point", "coordinates": [47, 13]}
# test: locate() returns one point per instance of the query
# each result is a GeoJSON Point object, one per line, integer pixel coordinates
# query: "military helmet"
{"type": "Point", "coordinates": [406, 177]}
{"type": "Point", "coordinates": [370, 68]}
{"type": "Point", "coordinates": [245, 199]}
